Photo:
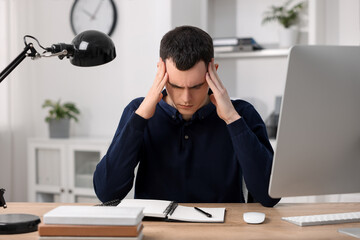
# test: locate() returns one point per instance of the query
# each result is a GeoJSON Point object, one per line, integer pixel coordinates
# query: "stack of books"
{"type": "Point", "coordinates": [92, 222]}
{"type": "Point", "coordinates": [234, 44]}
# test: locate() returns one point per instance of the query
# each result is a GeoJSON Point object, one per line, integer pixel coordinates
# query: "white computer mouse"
{"type": "Point", "coordinates": [254, 217]}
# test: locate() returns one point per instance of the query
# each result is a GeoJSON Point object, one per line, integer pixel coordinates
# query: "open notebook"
{"type": "Point", "coordinates": [171, 211]}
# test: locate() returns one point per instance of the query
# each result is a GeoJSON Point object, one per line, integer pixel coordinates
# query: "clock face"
{"type": "Point", "coordinates": [98, 15]}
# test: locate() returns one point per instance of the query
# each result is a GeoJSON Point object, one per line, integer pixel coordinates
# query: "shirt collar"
{"type": "Point", "coordinates": [201, 114]}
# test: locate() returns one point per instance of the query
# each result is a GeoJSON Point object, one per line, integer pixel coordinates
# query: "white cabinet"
{"type": "Point", "coordinates": [61, 170]}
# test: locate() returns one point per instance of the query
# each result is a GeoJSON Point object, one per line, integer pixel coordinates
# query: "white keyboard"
{"type": "Point", "coordinates": [323, 219]}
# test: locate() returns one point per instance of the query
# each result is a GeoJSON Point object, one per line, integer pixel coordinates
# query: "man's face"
{"type": "Point", "coordinates": [187, 90]}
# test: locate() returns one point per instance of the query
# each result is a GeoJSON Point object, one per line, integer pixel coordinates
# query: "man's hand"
{"type": "Point", "coordinates": [148, 105]}
{"type": "Point", "coordinates": [220, 97]}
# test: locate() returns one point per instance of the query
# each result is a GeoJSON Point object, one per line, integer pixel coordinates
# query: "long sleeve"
{"type": "Point", "coordinates": [114, 174]}
{"type": "Point", "coordinates": [200, 160]}
{"type": "Point", "coordinates": [254, 152]}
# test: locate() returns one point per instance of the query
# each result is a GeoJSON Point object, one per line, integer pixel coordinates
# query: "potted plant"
{"type": "Point", "coordinates": [59, 117]}
{"type": "Point", "coordinates": [287, 17]}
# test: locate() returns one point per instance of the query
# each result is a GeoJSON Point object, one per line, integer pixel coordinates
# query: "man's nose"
{"type": "Point", "coordinates": [186, 96]}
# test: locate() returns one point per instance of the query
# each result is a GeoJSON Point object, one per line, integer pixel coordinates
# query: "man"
{"type": "Point", "coordinates": [192, 143]}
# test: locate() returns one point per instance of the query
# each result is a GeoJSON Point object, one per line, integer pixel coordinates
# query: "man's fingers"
{"type": "Point", "coordinates": [163, 81]}
{"type": "Point", "coordinates": [210, 82]}
{"type": "Point", "coordinates": [213, 99]}
{"type": "Point", "coordinates": [214, 76]}
{"type": "Point", "coordinates": [213, 83]}
{"type": "Point", "coordinates": [160, 97]}
{"type": "Point", "coordinates": [160, 72]}
{"type": "Point", "coordinates": [161, 67]}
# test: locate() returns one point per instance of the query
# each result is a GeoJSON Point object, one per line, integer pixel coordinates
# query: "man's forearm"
{"type": "Point", "coordinates": [255, 158]}
{"type": "Point", "coordinates": [114, 175]}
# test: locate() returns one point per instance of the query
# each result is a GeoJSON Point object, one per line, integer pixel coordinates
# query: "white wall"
{"type": "Point", "coordinates": [336, 22]}
{"type": "Point", "coordinates": [349, 19]}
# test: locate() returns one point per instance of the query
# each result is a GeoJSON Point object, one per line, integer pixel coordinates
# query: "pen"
{"type": "Point", "coordinates": [202, 211]}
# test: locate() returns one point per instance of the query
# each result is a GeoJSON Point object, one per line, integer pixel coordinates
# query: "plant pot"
{"type": "Point", "coordinates": [59, 128]}
{"type": "Point", "coordinates": [288, 37]}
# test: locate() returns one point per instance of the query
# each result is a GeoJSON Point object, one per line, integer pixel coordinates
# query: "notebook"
{"type": "Point", "coordinates": [91, 215]}
{"type": "Point", "coordinates": [89, 230]}
{"type": "Point", "coordinates": [172, 211]}
{"type": "Point", "coordinates": [140, 237]}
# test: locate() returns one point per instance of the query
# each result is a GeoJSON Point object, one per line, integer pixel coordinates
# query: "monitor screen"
{"type": "Point", "coordinates": [318, 139]}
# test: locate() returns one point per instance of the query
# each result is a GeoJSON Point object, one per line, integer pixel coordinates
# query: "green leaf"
{"type": "Point", "coordinates": [60, 111]}
{"type": "Point", "coordinates": [282, 14]}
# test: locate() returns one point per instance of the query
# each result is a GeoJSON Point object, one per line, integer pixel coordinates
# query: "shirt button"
{"type": "Point", "coordinates": [186, 137]}
{"type": "Point", "coordinates": [173, 116]}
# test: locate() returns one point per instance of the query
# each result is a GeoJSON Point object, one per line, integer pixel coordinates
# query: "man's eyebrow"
{"type": "Point", "coordinates": [174, 85]}
{"type": "Point", "coordinates": [195, 86]}
{"type": "Point", "coordinates": [198, 85]}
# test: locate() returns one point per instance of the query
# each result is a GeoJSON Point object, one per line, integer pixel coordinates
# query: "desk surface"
{"type": "Point", "coordinates": [234, 226]}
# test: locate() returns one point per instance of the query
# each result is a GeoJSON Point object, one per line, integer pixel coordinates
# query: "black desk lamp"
{"type": "Point", "coordinates": [89, 48]}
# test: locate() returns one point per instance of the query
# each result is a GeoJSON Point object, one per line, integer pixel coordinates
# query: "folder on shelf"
{"type": "Point", "coordinates": [235, 44]}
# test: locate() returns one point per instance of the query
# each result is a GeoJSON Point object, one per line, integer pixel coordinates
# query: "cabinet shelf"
{"type": "Point", "coordinates": [266, 53]}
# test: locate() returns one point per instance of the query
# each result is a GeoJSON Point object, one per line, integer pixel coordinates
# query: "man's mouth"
{"type": "Point", "coordinates": [185, 106]}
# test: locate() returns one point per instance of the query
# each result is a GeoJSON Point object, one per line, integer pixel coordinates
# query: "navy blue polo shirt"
{"type": "Point", "coordinates": [200, 160]}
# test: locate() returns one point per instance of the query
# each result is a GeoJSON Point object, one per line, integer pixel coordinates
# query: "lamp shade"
{"type": "Point", "coordinates": [92, 48]}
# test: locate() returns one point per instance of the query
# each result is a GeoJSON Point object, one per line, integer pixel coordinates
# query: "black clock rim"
{"type": "Point", "coordinates": [114, 18]}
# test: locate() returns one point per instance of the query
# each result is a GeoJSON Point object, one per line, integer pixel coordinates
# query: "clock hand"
{"type": "Point", "coordinates": [97, 9]}
{"type": "Point", "coordinates": [87, 13]}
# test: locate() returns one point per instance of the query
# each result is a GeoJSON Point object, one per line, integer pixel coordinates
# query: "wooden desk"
{"type": "Point", "coordinates": [233, 228]}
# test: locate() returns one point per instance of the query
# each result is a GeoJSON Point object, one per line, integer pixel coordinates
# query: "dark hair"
{"type": "Point", "coordinates": [186, 46]}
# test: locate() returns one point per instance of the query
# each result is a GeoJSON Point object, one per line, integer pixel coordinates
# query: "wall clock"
{"type": "Point", "coordinates": [98, 15]}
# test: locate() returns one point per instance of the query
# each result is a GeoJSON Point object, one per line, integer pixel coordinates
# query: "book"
{"type": "Point", "coordinates": [172, 211]}
{"type": "Point", "coordinates": [94, 215]}
{"type": "Point", "coordinates": [232, 41]}
{"type": "Point", "coordinates": [237, 48]}
{"type": "Point", "coordinates": [235, 44]}
{"type": "Point", "coordinates": [90, 238]}
{"type": "Point", "coordinates": [89, 230]}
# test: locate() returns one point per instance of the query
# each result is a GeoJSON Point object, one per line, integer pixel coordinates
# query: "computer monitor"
{"type": "Point", "coordinates": [318, 139]}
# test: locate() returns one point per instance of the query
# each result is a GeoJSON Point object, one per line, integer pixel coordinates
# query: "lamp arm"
{"type": "Point", "coordinates": [17, 61]}
{"type": "Point", "coordinates": [2, 199]}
